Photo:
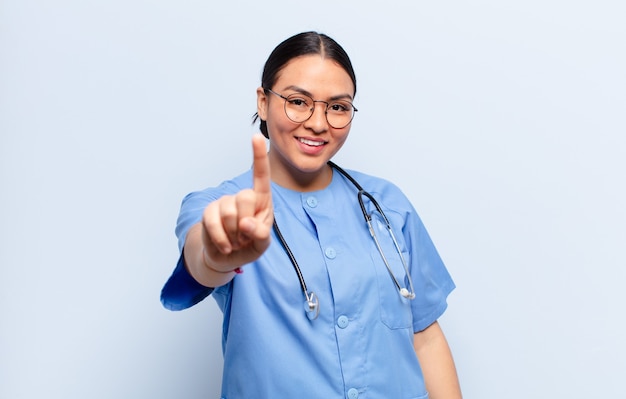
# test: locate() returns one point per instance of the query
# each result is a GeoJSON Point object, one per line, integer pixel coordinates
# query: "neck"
{"type": "Point", "coordinates": [294, 179]}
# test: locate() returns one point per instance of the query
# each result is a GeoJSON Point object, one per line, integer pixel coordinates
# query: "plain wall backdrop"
{"type": "Point", "coordinates": [503, 121]}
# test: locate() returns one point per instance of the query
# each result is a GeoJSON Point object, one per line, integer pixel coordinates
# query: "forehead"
{"type": "Point", "coordinates": [316, 74]}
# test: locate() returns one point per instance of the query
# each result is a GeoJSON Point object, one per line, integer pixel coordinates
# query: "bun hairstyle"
{"type": "Point", "coordinates": [305, 43]}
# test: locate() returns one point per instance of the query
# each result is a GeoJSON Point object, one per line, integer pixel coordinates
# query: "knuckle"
{"type": "Point", "coordinates": [245, 197]}
{"type": "Point", "coordinates": [228, 209]}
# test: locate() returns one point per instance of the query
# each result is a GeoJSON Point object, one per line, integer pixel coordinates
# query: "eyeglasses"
{"type": "Point", "coordinates": [299, 108]}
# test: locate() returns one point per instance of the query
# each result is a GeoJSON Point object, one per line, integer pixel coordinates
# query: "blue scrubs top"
{"type": "Point", "coordinates": [361, 345]}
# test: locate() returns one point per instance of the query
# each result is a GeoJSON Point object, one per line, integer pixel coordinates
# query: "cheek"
{"type": "Point", "coordinates": [340, 138]}
{"type": "Point", "coordinates": [277, 122]}
{"type": "Point", "coordinates": [342, 135]}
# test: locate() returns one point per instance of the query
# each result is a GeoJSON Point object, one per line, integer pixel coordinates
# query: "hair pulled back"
{"type": "Point", "coordinates": [304, 43]}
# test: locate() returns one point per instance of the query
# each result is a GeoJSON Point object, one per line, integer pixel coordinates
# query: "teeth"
{"type": "Point", "coordinates": [311, 142]}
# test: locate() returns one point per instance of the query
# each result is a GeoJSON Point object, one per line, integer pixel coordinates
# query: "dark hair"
{"type": "Point", "coordinates": [302, 44]}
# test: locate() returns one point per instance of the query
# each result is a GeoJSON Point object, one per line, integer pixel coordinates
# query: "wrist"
{"type": "Point", "coordinates": [207, 264]}
{"type": "Point", "coordinates": [236, 270]}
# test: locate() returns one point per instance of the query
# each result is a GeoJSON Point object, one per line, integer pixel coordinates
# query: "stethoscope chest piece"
{"type": "Point", "coordinates": [312, 306]}
{"type": "Point", "coordinates": [406, 293]}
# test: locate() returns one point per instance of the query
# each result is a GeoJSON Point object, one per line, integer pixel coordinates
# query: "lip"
{"type": "Point", "coordinates": [311, 145]}
{"type": "Point", "coordinates": [312, 141]}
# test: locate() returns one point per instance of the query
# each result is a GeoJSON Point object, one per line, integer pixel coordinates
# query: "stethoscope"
{"type": "Point", "coordinates": [311, 304]}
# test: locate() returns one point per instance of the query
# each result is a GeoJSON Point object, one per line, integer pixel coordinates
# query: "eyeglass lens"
{"type": "Point", "coordinates": [300, 107]}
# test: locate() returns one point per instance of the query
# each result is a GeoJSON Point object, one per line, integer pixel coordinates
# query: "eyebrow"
{"type": "Point", "coordinates": [306, 92]}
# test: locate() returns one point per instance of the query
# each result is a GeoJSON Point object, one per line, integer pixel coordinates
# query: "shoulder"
{"type": "Point", "coordinates": [378, 186]}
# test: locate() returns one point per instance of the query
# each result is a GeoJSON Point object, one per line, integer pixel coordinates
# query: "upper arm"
{"type": "Point", "coordinates": [428, 336]}
{"type": "Point", "coordinates": [437, 364]}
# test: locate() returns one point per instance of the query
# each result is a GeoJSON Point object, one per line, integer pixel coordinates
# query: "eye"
{"type": "Point", "coordinates": [299, 102]}
{"type": "Point", "coordinates": [340, 107]}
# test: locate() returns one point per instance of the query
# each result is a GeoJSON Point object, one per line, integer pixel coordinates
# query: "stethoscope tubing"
{"type": "Point", "coordinates": [311, 305]}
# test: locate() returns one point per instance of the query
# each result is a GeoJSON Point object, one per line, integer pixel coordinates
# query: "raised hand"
{"type": "Point", "coordinates": [236, 228]}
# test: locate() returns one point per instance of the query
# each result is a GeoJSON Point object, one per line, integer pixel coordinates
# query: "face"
{"type": "Point", "coordinates": [299, 151]}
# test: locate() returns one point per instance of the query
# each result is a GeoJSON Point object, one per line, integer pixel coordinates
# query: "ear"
{"type": "Point", "coordinates": [261, 103]}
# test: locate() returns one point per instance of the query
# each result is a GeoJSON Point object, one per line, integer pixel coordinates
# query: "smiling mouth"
{"type": "Point", "coordinates": [311, 142]}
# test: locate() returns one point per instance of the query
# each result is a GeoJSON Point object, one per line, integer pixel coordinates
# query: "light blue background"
{"type": "Point", "coordinates": [503, 121]}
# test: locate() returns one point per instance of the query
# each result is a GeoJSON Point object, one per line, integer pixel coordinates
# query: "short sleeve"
{"type": "Point", "coordinates": [431, 278]}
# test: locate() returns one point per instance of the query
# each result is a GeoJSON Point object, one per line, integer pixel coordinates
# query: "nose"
{"type": "Point", "coordinates": [317, 122]}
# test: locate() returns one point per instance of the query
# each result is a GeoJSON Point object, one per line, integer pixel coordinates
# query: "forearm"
{"type": "Point", "coordinates": [196, 264]}
{"type": "Point", "coordinates": [437, 364]}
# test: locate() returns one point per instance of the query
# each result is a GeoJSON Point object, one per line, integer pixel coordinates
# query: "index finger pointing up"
{"type": "Point", "coordinates": [261, 166]}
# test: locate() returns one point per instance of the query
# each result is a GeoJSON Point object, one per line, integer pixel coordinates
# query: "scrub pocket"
{"type": "Point", "coordinates": [395, 310]}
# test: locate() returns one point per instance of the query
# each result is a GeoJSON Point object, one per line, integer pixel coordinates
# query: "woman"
{"type": "Point", "coordinates": [314, 305]}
